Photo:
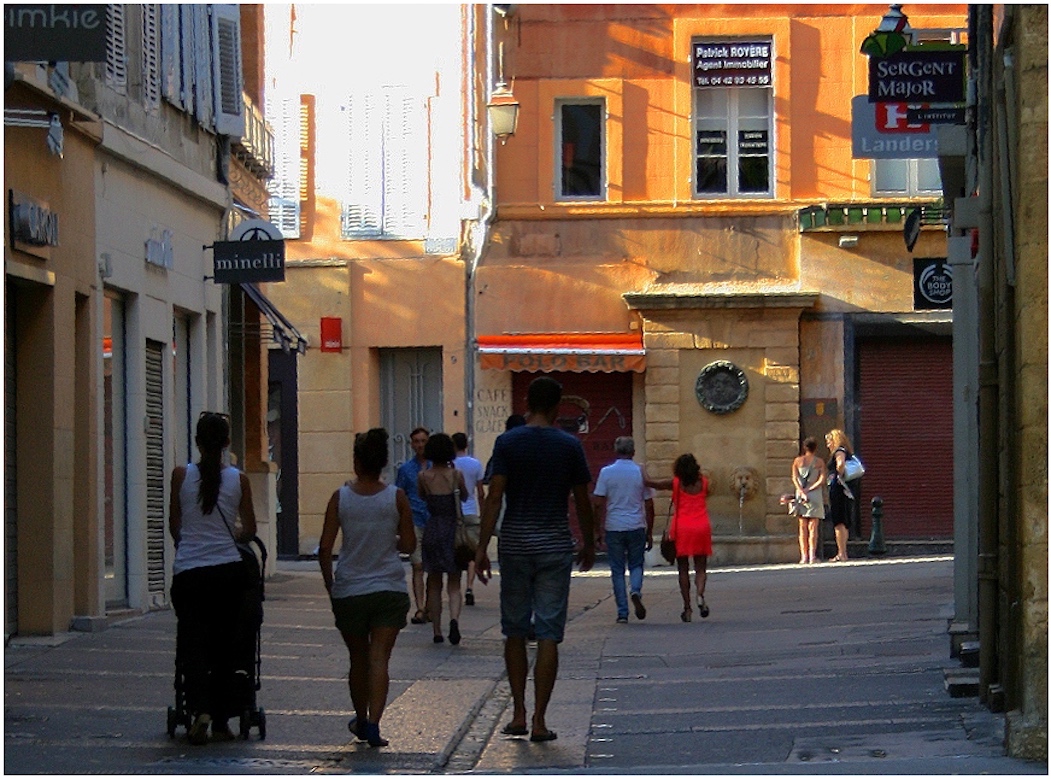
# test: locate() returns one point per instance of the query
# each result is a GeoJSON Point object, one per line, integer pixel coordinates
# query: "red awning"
{"type": "Point", "coordinates": [576, 352]}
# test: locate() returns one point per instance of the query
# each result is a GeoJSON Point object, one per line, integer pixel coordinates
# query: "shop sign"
{"type": "Point", "coordinates": [160, 248]}
{"type": "Point", "coordinates": [55, 32]}
{"type": "Point", "coordinates": [33, 225]}
{"type": "Point", "coordinates": [580, 363]}
{"type": "Point", "coordinates": [331, 334]}
{"type": "Point", "coordinates": [256, 253]}
{"type": "Point", "coordinates": [913, 76]}
{"type": "Point", "coordinates": [882, 131]}
{"type": "Point", "coordinates": [753, 142]}
{"type": "Point", "coordinates": [932, 283]}
{"type": "Point", "coordinates": [733, 64]}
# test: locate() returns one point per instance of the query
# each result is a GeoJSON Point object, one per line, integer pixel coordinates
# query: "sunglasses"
{"type": "Point", "coordinates": [219, 414]}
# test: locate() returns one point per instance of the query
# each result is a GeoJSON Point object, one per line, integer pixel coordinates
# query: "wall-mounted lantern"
{"type": "Point", "coordinates": [503, 112]}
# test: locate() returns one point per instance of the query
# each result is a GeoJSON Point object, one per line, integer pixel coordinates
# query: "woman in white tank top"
{"type": "Point", "coordinates": [370, 599]}
{"type": "Point", "coordinates": [207, 585]}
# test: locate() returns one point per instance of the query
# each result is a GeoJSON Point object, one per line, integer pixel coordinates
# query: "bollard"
{"type": "Point", "coordinates": [876, 545]}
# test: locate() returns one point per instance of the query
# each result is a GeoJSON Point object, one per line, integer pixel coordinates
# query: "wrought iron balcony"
{"type": "Point", "coordinates": [255, 149]}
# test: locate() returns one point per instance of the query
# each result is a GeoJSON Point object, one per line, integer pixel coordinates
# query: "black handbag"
{"type": "Point", "coordinates": [251, 567]}
{"type": "Point", "coordinates": [668, 543]}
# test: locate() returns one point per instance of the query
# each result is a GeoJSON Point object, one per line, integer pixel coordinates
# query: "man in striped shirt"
{"type": "Point", "coordinates": [537, 466]}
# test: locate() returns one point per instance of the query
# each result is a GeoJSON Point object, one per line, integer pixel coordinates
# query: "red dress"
{"type": "Point", "coordinates": [690, 527]}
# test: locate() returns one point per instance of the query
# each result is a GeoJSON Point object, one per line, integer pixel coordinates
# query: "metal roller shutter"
{"type": "Point", "coordinates": [905, 436]}
{"type": "Point", "coordinates": [10, 474]}
{"type": "Point", "coordinates": [155, 467]}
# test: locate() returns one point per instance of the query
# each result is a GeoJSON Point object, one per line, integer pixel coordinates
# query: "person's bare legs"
{"type": "Point", "coordinates": [700, 566]}
{"type": "Point", "coordinates": [545, 672]}
{"type": "Point", "coordinates": [419, 590]}
{"type": "Point", "coordinates": [434, 602]}
{"type": "Point", "coordinates": [812, 530]}
{"type": "Point", "coordinates": [455, 596]}
{"type": "Point", "coordinates": [684, 586]}
{"type": "Point", "coordinates": [380, 647]}
{"type": "Point", "coordinates": [517, 662]}
{"type": "Point", "coordinates": [803, 553]}
{"type": "Point", "coordinates": [358, 678]}
{"type": "Point", "coordinates": [841, 541]}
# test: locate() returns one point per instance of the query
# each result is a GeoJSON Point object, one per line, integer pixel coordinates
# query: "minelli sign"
{"type": "Point", "coordinates": [54, 32]}
{"type": "Point", "coordinates": [237, 262]}
{"type": "Point", "coordinates": [937, 76]}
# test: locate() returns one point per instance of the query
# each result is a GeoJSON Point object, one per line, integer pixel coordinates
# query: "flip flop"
{"type": "Point", "coordinates": [418, 618]}
{"type": "Point", "coordinates": [549, 736]}
{"type": "Point", "coordinates": [515, 730]}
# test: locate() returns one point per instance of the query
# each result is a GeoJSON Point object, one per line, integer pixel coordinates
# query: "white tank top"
{"type": "Point", "coordinates": [368, 560]}
{"type": "Point", "coordinates": [205, 539]}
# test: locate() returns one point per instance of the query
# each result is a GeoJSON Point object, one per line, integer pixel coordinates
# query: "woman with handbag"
{"type": "Point", "coordinates": [370, 599]}
{"type": "Point", "coordinates": [840, 496]}
{"type": "Point", "coordinates": [443, 487]}
{"type": "Point", "coordinates": [808, 477]}
{"type": "Point", "coordinates": [690, 528]}
{"type": "Point", "coordinates": [208, 581]}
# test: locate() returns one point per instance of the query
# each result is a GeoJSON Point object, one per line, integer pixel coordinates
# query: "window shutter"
{"type": "Point", "coordinates": [204, 102]}
{"type": "Point", "coordinates": [116, 48]}
{"type": "Point", "coordinates": [405, 177]}
{"type": "Point", "coordinates": [151, 56]}
{"type": "Point", "coordinates": [226, 40]}
{"type": "Point", "coordinates": [171, 55]}
{"type": "Point", "coordinates": [187, 58]}
{"type": "Point", "coordinates": [363, 205]}
{"type": "Point", "coordinates": [284, 187]}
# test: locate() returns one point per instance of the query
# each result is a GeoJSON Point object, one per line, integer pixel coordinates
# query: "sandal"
{"type": "Point", "coordinates": [418, 618]}
{"type": "Point", "coordinates": [702, 607]}
{"type": "Point", "coordinates": [687, 615]}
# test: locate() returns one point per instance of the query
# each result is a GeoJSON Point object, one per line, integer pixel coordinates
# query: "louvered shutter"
{"type": "Point", "coordinates": [171, 55]}
{"type": "Point", "coordinates": [116, 48]}
{"type": "Point", "coordinates": [155, 467]}
{"type": "Point", "coordinates": [151, 56]}
{"type": "Point", "coordinates": [284, 187]}
{"type": "Point", "coordinates": [187, 58]}
{"type": "Point", "coordinates": [363, 205]}
{"type": "Point", "coordinates": [405, 175]}
{"type": "Point", "coordinates": [203, 99]}
{"type": "Point", "coordinates": [227, 75]}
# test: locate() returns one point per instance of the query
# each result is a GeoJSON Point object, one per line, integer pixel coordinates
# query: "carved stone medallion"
{"type": "Point", "coordinates": [721, 387]}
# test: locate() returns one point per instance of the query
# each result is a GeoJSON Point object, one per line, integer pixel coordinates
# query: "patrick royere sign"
{"type": "Point", "coordinates": [732, 64]}
{"type": "Point", "coordinates": [919, 76]}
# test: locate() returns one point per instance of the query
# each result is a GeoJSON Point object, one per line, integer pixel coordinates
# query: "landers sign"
{"type": "Point", "coordinates": [932, 283]}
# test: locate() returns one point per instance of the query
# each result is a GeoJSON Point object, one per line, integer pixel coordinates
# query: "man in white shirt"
{"type": "Point", "coordinates": [473, 473]}
{"type": "Point", "coordinates": [624, 508]}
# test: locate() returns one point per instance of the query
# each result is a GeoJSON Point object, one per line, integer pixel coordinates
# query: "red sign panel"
{"type": "Point", "coordinates": [331, 334]}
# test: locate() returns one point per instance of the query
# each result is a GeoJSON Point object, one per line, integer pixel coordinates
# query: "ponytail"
{"type": "Point", "coordinates": [213, 435]}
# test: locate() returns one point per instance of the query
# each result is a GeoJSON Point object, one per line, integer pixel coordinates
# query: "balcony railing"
{"type": "Point", "coordinates": [856, 216]}
{"type": "Point", "coordinates": [255, 149]}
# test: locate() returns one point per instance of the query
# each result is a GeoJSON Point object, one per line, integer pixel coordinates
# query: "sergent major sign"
{"type": "Point", "coordinates": [914, 76]}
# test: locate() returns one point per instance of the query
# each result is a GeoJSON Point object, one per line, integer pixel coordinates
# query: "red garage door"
{"type": "Point", "coordinates": [596, 408]}
{"type": "Point", "coordinates": [905, 436]}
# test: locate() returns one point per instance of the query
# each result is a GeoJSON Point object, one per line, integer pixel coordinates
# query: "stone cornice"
{"type": "Point", "coordinates": [692, 300]}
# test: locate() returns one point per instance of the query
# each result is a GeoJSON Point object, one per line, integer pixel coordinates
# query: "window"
{"type": "Point", "coordinates": [116, 48]}
{"type": "Point", "coordinates": [733, 118]}
{"type": "Point", "coordinates": [284, 187]}
{"type": "Point", "coordinates": [908, 178]}
{"type": "Point", "coordinates": [387, 173]}
{"type": "Point", "coordinates": [581, 150]}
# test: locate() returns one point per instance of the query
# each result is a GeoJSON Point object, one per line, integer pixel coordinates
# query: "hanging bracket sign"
{"type": "Point", "coordinates": [256, 252]}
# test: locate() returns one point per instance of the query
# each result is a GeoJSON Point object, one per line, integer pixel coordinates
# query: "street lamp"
{"type": "Point", "coordinates": [503, 112]}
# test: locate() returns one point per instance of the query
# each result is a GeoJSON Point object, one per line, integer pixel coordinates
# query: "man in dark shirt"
{"type": "Point", "coordinates": [536, 466]}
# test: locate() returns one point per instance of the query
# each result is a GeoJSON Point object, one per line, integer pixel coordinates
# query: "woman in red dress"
{"type": "Point", "coordinates": [690, 528]}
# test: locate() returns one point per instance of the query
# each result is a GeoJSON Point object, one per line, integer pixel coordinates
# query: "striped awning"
{"type": "Point", "coordinates": [576, 352]}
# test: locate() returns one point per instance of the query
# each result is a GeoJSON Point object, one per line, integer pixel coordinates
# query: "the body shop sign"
{"type": "Point", "coordinates": [733, 64]}
{"type": "Point", "coordinates": [937, 76]}
{"type": "Point", "coordinates": [932, 283]}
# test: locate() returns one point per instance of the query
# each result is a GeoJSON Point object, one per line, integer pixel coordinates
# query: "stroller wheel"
{"type": "Point", "coordinates": [245, 724]}
{"type": "Point", "coordinates": [262, 723]}
{"type": "Point", "coordinates": [173, 722]}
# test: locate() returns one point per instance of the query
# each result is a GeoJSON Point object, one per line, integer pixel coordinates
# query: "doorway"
{"type": "Point", "coordinates": [282, 425]}
{"type": "Point", "coordinates": [411, 397]}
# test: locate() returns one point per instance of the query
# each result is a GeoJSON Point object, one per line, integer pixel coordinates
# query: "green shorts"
{"type": "Point", "coordinates": [359, 614]}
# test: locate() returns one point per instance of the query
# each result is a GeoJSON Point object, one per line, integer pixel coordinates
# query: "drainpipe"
{"type": "Point", "coordinates": [479, 230]}
{"type": "Point", "coordinates": [988, 386]}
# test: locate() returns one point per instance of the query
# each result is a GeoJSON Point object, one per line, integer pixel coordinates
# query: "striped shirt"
{"type": "Point", "coordinates": [541, 465]}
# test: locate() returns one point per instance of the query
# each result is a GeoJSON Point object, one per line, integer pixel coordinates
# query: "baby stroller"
{"type": "Point", "coordinates": [248, 653]}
